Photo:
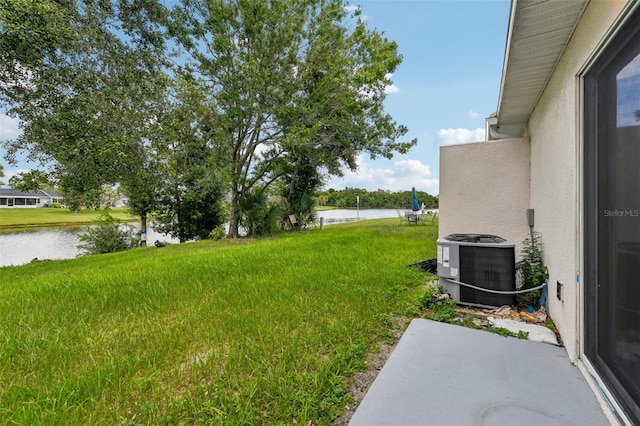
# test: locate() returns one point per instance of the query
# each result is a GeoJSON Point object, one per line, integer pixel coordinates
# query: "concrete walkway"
{"type": "Point", "coordinates": [442, 374]}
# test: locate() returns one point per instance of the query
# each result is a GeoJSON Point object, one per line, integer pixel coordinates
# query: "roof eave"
{"type": "Point", "coordinates": [538, 34]}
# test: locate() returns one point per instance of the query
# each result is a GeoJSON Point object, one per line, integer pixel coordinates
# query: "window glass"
{"type": "Point", "coordinates": [628, 94]}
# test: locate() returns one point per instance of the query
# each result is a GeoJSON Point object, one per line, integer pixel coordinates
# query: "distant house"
{"type": "Point", "coordinates": [13, 198]}
{"type": "Point", "coordinates": [565, 142]}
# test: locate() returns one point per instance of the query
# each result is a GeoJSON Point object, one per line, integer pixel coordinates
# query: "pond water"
{"type": "Point", "coordinates": [20, 247]}
{"type": "Point", "coordinates": [355, 214]}
{"type": "Point", "coordinates": [349, 215]}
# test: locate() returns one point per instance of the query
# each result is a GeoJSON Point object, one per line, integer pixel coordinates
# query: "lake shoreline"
{"type": "Point", "coordinates": [19, 244]}
{"type": "Point", "coordinates": [26, 227]}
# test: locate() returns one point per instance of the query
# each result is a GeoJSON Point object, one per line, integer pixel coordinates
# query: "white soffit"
{"type": "Point", "coordinates": [539, 31]}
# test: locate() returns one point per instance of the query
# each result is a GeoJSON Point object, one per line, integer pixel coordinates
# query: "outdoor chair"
{"type": "Point", "coordinates": [294, 224]}
{"type": "Point", "coordinates": [401, 217]}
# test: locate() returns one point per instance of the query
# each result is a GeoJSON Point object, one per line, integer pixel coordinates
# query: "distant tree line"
{"type": "Point", "coordinates": [380, 199]}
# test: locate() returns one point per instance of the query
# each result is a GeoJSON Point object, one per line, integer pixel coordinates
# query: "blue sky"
{"type": "Point", "coordinates": [446, 86]}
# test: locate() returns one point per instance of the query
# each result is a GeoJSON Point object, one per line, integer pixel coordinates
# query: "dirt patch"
{"type": "Point", "coordinates": [362, 380]}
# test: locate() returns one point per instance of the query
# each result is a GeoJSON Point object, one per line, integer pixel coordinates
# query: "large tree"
{"type": "Point", "coordinates": [291, 90]}
{"type": "Point", "coordinates": [84, 78]}
{"type": "Point", "coordinates": [284, 79]}
{"type": "Point", "coordinates": [190, 185]}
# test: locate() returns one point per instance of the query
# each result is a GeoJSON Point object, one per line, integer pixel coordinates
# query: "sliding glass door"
{"type": "Point", "coordinates": [612, 217]}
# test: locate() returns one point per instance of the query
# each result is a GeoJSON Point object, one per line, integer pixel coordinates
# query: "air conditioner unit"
{"type": "Point", "coordinates": [477, 269]}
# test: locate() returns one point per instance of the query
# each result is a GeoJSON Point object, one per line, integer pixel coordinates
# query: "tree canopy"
{"type": "Point", "coordinates": [30, 181]}
{"type": "Point", "coordinates": [85, 93]}
{"type": "Point", "coordinates": [250, 99]}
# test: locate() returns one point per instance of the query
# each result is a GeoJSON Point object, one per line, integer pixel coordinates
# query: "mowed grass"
{"type": "Point", "coordinates": [18, 217]}
{"type": "Point", "coordinates": [246, 332]}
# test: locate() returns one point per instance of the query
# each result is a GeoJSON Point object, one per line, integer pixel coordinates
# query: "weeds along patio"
{"type": "Point", "coordinates": [260, 331]}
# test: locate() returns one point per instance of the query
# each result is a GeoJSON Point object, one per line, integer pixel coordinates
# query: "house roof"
{"type": "Point", "coordinates": [9, 192]}
{"type": "Point", "coordinates": [51, 193]}
{"type": "Point", "coordinates": [539, 31]}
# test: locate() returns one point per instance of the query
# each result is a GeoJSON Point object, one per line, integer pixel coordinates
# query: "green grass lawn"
{"type": "Point", "coordinates": [19, 217]}
{"type": "Point", "coordinates": [245, 332]}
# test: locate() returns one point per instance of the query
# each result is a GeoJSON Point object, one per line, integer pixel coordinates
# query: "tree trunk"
{"type": "Point", "coordinates": [143, 230]}
{"type": "Point", "coordinates": [234, 216]}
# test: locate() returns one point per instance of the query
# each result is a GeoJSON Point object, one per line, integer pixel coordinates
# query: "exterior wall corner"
{"type": "Point", "coordinates": [484, 188]}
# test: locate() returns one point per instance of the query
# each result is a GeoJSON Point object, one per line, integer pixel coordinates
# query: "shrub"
{"type": "Point", "coordinates": [532, 267]}
{"type": "Point", "coordinates": [217, 233]}
{"type": "Point", "coordinates": [108, 236]}
{"type": "Point", "coordinates": [259, 216]}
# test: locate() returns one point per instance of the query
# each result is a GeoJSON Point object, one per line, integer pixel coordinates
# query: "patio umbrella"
{"type": "Point", "coordinates": [414, 200]}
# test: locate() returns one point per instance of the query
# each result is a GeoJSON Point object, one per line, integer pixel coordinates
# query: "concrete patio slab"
{"type": "Point", "coordinates": [442, 374]}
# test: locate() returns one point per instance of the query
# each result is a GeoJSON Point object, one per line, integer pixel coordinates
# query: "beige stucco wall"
{"type": "Point", "coordinates": [484, 188]}
{"type": "Point", "coordinates": [554, 131]}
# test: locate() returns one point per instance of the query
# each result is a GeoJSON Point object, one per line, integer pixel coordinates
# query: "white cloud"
{"type": "Point", "coordinates": [391, 88]}
{"type": "Point", "coordinates": [261, 149]}
{"type": "Point", "coordinates": [474, 115]}
{"type": "Point", "coordinates": [8, 174]}
{"type": "Point", "coordinates": [8, 127]}
{"type": "Point", "coordinates": [457, 136]}
{"type": "Point", "coordinates": [413, 168]}
{"type": "Point", "coordinates": [399, 176]}
{"type": "Point", "coordinates": [357, 10]}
